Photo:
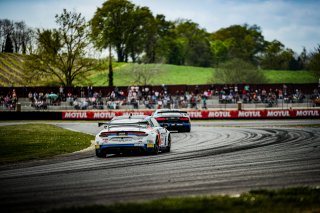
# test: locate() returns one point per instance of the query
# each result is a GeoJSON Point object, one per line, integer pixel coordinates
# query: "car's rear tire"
{"type": "Point", "coordinates": [100, 154]}
{"type": "Point", "coordinates": [156, 147]}
{"type": "Point", "coordinates": [168, 148]}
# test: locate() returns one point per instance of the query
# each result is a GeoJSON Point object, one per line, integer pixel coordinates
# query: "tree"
{"type": "Point", "coordinates": [244, 42]}
{"type": "Point", "coordinates": [111, 26]}
{"type": "Point", "coordinates": [277, 57]}
{"type": "Point", "coordinates": [237, 71]}
{"type": "Point", "coordinates": [21, 36]}
{"type": "Point", "coordinates": [61, 52]}
{"type": "Point", "coordinates": [6, 31]}
{"type": "Point", "coordinates": [157, 31]}
{"type": "Point", "coordinates": [189, 45]}
{"type": "Point", "coordinates": [142, 74]}
{"type": "Point", "coordinates": [219, 51]}
{"type": "Point", "coordinates": [314, 64]}
{"type": "Point", "coordinates": [198, 52]}
{"type": "Point", "coordinates": [8, 48]}
{"type": "Point", "coordinates": [303, 59]}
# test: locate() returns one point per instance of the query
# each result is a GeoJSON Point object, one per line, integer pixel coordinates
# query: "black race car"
{"type": "Point", "coordinates": [173, 119]}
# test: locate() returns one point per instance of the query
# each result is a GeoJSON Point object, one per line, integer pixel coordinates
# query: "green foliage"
{"type": "Point", "coordinates": [158, 31]}
{"type": "Point", "coordinates": [277, 57]}
{"type": "Point", "coordinates": [277, 201]}
{"type": "Point", "coordinates": [61, 52]}
{"type": "Point", "coordinates": [8, 47]}
{"type": "Point", "coordinates": [219, 51]}
{"type": "Point", "coordinates": [314, 64]}
{"type": "Point", "coordinates": [237, 71]}
{"type": "Point", "coordinates": [189, 45]}
{"type": "Point", "coordinates": [111, 26]}
{"type": "Point", "coordinates": [35, 141]}
{"type": "Point", "coordinates": [244, 42]}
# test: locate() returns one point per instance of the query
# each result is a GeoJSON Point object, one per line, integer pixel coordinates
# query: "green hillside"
{"type": "Point", "coordinates": [11, 69]}
{"type": "Point", "coordinates": [11, 74]}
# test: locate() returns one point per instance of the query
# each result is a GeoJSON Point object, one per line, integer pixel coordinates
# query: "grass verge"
{"type": "Point", "coordinates": [286, 76]}
{"type": "Point", "coordinates": [35, 141]}
{"type": "Point", "coordinates": [284, 200]}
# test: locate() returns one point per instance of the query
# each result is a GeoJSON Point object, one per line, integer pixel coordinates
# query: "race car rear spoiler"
{"type": "Point", "coordinates": [172, 111]}
{"type": "Point", "coordinates": [109, 124]}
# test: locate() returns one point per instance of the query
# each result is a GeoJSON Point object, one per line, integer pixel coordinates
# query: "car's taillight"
{"type": "Point", "coordinates": [138, 133]}
{"type": "Point", "coordinates": [183, 119]}
{"type": "Point", "coordinates": [106, 134]}
{"type": "Point", "coordinates": [161, 119]}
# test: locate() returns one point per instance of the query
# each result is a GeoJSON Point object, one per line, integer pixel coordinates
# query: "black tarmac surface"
{"type": "Point", "coordinates": [222, 157]}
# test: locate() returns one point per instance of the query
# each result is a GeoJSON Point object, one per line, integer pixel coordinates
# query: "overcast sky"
{"type": "Point", "coordinates": [296, 23]}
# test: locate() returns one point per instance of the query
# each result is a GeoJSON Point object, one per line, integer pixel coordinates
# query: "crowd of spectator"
{"type": "Point", "coordinates": [135, 96]}
{"type": "Point", "coordinates": [10, 100]}
{"type": "Point", "coordinates": [230, 94]}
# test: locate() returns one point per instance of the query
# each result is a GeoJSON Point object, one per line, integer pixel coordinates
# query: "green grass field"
{"type": "Point", "coordinates": [262, 201]}
{"type": "Point", "coordinates": [11, 73]}
{"type": "Point", "coordinates": [284, 76]}
{"type": "Point", "coordinates": [35, 141]}
{"type": "Point", "coordinates": [173, 74]}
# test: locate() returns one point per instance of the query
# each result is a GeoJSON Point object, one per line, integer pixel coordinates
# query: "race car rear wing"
{"type": "Point", "coordinates": [173, 111]}
{"type": "Point", "coordinates": [136, 124]}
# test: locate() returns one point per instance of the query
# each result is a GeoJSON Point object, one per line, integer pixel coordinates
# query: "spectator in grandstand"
{"type": "Point", "coordinates": [134, 103]}
{"type": "Point", "coordinates": [61, 93]}
{"type": "Point", "coordinates": [30, 96]}
{"type": "Point", "coordinates": [90, 91]}
{"type": "Point", "coordinates": [40, 104]}
{"type": "Point", "coordinates": [204, 101]}
{"type": "Point", "coordinates": [111, 104]}
{"type": "Point", "coordinates": [272, 99]}
{"type": "Point", "coordinates": [193, 101]}
{"type": "Point", "coordinates": [263, 95]}
{"type": "Point", "coordinates": [148, 104]}
{"type": "Point", "coordinates": [298, 97]}
{"type": "Point", "coordinates": [70, 98]}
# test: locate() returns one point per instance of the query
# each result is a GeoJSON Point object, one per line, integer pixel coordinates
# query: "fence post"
{"type": "Point", "coordinates": [18, 109]}
{"type": "Point", "coordinates": [239, 105]}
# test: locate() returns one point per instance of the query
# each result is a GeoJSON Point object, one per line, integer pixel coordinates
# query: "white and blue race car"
{"type": "Point", "coordinates": [127, 134]}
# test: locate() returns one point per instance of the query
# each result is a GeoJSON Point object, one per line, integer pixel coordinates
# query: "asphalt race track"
{"type": "Point", "coordinates": [227, 157]}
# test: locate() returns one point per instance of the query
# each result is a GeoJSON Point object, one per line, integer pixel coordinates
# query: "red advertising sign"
{"type": "Point", "coordinates": [199, 114]}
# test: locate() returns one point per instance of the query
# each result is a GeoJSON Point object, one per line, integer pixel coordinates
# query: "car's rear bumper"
{"type": "Point", "coordinates": [181, 127]}
{"type": "Point", "coordinates": [124, 148]}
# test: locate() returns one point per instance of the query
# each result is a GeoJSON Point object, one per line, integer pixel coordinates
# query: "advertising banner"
{"type": "Point", "coordinates": [199, 114]}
